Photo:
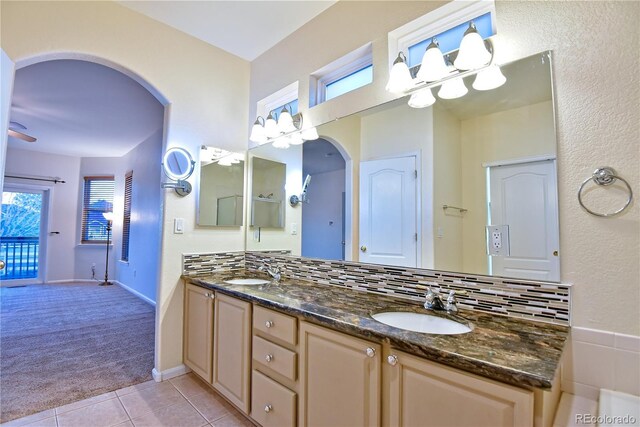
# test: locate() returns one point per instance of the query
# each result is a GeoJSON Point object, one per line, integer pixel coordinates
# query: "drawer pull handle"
{"type": "Point", "coordinates": [392, 360]}
{"type": "Point", "coordinates": [268, 358]}
{"type": "Point", "coordinates": [268, 323]}
{"type": "Point", "coordinates": [268, 408]}
{"type": "Point", "coordinates": [370, 352]}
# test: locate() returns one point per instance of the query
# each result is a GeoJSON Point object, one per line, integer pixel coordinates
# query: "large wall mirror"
{"type": "Point", "coordinates": [220, 195]}
{"type": "Point", "coordinates": [466, 185]}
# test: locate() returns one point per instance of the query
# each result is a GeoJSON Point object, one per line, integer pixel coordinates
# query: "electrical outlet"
{"type": "Point", "coordinates": [498, 240]}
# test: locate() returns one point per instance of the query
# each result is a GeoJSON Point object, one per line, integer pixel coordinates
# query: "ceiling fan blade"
{"type": "Point", "coordinates": [20, 135]}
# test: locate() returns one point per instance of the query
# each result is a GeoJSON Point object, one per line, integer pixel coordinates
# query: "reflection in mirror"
{"type": "Point", "coordinates": [267, 193]}
{"type": "Point", "coordinates": [466, 185]}
{"type": "Point", "coordinates": [220, 200]}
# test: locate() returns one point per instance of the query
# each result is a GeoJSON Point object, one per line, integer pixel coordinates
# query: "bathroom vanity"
{"type": "Point", "coordinates": [299, 353]}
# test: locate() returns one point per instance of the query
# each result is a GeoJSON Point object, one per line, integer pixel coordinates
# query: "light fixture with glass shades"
{"type": "Point", "coordinates": [287, 130]}
{"type": "Point", "coordinates": [222, 157]}
{"type": "Point", "coordinates": [474, 57]}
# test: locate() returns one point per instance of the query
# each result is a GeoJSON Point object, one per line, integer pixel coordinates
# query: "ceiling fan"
{"type": "Point", "coordinates": [15, 130]}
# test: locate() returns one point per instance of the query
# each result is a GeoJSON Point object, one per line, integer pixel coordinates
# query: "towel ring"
{"type": "Point", "coordinates": [604, 176]}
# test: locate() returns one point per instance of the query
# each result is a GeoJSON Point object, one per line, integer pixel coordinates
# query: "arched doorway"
{"type": "Point", "coordinates": [64, 99]}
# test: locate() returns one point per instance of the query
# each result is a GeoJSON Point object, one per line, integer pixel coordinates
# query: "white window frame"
{"type": "Point", "coordinates": [436, 22]}
{"type": "Point", "coordinates": [281, 97]}
{"type": "Point", "coordinates": [338, 69]}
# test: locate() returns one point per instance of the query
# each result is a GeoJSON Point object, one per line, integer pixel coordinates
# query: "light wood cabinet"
{"type": "Point", "coordinates": [418, 392]}
{"type": "Point", "coordinates": [339, 379]}
{"type": "Point", "coordinates": [232, 350]}
{"type": "Point", "coordinates": [198, 330]}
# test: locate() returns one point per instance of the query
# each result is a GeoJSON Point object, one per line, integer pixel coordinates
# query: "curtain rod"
{"type": "Point", "coordinates": [55, 180]}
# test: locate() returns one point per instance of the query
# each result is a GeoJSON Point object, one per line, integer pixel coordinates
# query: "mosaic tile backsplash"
{"type": "Point", "coordinates": [198, 264]}
{"type": "Point", "coordinates": [541, 301]}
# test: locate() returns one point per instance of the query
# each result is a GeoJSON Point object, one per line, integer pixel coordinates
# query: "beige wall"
{"type": "Point", "coordinates": [512, 134]}
{"type": "Point", "coordinates": [206, 91]}
{"type": "Point", "coordinates": [447, 190]}
{"type": "Point", "coordinates": [598, 119]}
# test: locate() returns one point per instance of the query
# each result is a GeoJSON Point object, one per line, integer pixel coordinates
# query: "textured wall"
{"type": "Point", "coordinates": [596, 69]}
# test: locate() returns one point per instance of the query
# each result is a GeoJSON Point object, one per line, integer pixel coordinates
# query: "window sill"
{"type": "Point", "coordinates": [93, 245]}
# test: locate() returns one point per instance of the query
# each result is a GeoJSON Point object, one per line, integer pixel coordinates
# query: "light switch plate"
{"type": "Point", "coordinates": [178, 225]}
{"type": "Point", "coordinates": [294, 228]}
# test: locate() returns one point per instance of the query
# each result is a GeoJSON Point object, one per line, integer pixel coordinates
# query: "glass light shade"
{"type": "Point", "coordinates": [422, 99]}
{"type": "Point", "coordinates": [226, 161]}
{"type": "Point", "coordinates": [257, 133]}
{"type": "Point", "coordinates": [473, 53]}
{"type": "Point", "coordinates": [310, 134]}
{"type": "Point", "coordinates": [282, 142]}
{"type": "Point", "coordinates": [108, 216]}
{"type": "Point", "coordinates": [399, 77]}
{"type": "Point", "coordinates": [489, 78]}
{"type": "Point", "coordinates": [285, 121]}
{"type": "Point", "coordinates": [452, 89]}
{"type": "Point", "coordinates": [295, 139]}
{"type": "Point", "coordinates": [433, 66]}
{"type": "Point", "coordinates": [271, 127]}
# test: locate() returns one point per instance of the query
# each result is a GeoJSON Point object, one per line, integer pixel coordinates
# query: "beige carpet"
{"type": "Point", "coordinates": [62, 343]}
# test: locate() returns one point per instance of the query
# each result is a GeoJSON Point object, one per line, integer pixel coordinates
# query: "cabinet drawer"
{"type": "Point", "coordinates": [278, 358]}
{"type": "Point", "coordinates": [274, 324]}
{"type": "Point", "coordinates": [272, 405]}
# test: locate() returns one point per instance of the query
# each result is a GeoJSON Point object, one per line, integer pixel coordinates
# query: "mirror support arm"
{"type": "Point", "coordinates": [181, 187]}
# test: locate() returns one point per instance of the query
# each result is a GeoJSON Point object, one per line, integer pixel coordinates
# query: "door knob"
{"type": "Point", "coordinates": [363, 248]}
{"type": "Point", "coordinates": [555, 253]}
{"type": "Point", "coordinates": [1, 264]}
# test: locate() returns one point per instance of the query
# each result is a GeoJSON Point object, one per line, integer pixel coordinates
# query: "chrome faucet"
{"type": "Point", "coordinates": [433, 301]}
{"type": "Point", "coordinates": [274, 271]}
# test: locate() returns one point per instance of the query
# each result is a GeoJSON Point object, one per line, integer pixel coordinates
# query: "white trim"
{"type": "Point", "coordinates": [167, 374]}
{"type": "Point", "coordinates": [518, 161]}
{"type": "Point", "coordinates": [341, 67]}
{"type": "Point", "coordinates": [91, 281]}
{"type": "Point", "coordinates": [283, 96]}
{"type": "Point", "coordinates": [437, 21]}
{"type": "Point", "coordinates": [136, 293]}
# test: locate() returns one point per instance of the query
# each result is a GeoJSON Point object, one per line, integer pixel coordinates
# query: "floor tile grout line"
{"type": "Point", "coordinates": [197, 410]}
{"type": "Point", "coordinates": [123, 407]}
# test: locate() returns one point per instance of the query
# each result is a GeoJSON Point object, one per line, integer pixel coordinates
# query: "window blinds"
{"type": "Point", "coordinates": [97, 199]}
{"type": "Point", "coordinates": [126, 222]}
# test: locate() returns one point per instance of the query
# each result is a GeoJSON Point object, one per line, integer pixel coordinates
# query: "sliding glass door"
{"type": "Point", "coordinates": [22, 227]}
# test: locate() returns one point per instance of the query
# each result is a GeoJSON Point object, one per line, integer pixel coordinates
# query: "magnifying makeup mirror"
{"type": "Point", "coordinates": [178, 165]}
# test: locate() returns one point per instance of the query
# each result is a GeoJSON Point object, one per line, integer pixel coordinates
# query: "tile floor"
{"type": "Point", "coordinates": [184, 401]}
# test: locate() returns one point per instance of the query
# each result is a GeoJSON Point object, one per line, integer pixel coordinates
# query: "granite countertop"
{"type": "Point", "coordinates": [515, 351]}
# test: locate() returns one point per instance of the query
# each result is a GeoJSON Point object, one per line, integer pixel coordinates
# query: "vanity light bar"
{"type": "Point", "coordinates": [284, 132]}
{"type": "Point", "coordinates": [475, 57]}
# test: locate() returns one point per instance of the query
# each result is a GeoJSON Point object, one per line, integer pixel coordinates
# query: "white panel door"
{"type": "Point", "coordinates": [524, 197]}
{"type": "Point", "coordinates": [388, 211]}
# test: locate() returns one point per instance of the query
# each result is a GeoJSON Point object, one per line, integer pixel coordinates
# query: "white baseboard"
{"type": "Point", "coordinates": [169, 373]}
{"type": "Point", "coordinates": [136, 293]}
{"type": "Point", "coordinates": [70, 281]}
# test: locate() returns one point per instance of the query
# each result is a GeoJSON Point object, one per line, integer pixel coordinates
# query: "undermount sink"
{"type": "Point", "coordinates": [246, 282]}
{"type": "Point", "coordinates": [419, 322]}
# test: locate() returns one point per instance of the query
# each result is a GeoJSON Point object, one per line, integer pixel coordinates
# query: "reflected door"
{"type": "Point", "coordinates": [524, 197]}
{"type": "Point", "coordinates": [21, 235]}
{"type": "Point", "coordinates": [388, 212]}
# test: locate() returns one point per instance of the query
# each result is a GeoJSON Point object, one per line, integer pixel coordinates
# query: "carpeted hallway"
{"type": "Point", "coordinates": [65, 342]}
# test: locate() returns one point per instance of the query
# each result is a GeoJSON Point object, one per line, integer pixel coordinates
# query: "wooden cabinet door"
{"type": "Point", "coordinates": [198, 330]}
{"type": "Point", "coordinates": [232, 350]}
{"type": "Point", "coordinates": [418, 392]}
{"type": "Point", "coordinates": [339, 379]}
